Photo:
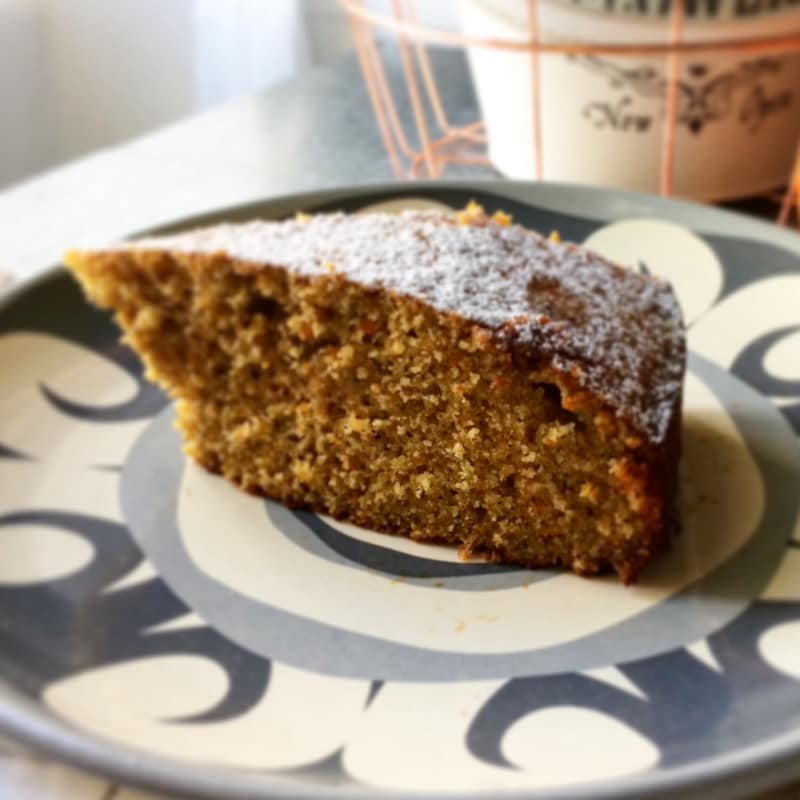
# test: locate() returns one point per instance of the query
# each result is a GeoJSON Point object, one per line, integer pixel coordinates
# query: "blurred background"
{"type": "Point", "coordinates": [84, 75]}
{"type": "Point", "coordinates": [703, 103]}
{"type": "Point", "coordinates": [87, 74]}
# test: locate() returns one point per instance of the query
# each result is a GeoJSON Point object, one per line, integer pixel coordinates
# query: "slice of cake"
{"type": "Point", "coordinates": [449, 378]}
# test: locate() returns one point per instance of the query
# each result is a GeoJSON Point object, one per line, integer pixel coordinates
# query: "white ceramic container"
{"type": "Point", "coordinates": [602, 117]}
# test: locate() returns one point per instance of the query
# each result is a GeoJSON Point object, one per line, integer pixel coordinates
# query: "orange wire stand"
{"type": "Point", "coordinates": [441, 143]}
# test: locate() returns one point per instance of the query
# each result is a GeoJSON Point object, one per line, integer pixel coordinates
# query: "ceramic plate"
{"type": "Point", "coordinates": [159, 626]}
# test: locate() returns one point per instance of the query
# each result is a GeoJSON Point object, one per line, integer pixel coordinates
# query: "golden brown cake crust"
{"type": "Point", "coordinates": [469, 383]}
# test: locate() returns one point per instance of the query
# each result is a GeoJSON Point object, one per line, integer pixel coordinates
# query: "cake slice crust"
{"type": "Point", "coordinates": [329, 390]}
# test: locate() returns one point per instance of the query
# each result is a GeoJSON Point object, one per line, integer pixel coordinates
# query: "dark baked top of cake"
{"type": "Point", "coordinates": [619, 333]}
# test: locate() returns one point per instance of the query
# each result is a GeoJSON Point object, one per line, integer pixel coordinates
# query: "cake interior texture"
{"type": "Point", "coordinates": [373, 406]}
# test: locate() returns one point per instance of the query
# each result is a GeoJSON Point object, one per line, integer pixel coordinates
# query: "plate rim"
{"type": "Point", "coordinates": [756, 768]}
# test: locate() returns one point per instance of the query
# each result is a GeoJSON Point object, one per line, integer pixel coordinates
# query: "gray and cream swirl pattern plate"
{"type": "Point", "coordinates": [159, 626]}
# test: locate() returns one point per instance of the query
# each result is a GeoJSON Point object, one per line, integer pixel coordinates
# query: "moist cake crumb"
{"type": "Point", "coordinates": [453, 378]}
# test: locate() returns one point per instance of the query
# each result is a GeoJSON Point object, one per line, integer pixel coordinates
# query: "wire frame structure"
{"type": "Point", "coordinates": [440, 143]}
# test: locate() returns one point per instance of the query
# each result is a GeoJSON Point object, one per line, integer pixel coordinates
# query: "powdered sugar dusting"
{"type": "Point", "coordinates": [619, 333]}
